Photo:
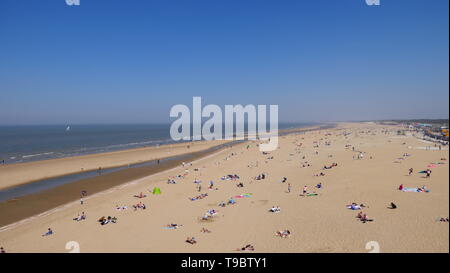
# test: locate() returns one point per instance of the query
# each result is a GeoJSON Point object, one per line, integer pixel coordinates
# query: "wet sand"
{"type": "Point", "coordinates": [21, 173]}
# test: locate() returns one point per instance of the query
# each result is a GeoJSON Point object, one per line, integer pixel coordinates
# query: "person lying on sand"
{"type": "Point", "coordinates": [174, 226]}
{"type": "Point", "coordinates": [246, 248]}
{"type": "Point", "coordinates": [442, 219]}
{"type": "Point", "coordinates": [80, 217]}
{"type": "Point", "coordinates": [261, 176]}
{"type": "Point", "coordinates": [141, 195]}
{"type": "Point", "coordinates": [48, 233]}
{"type": "Point", "coordinates": [283, 233]}
{"type": "Point", "coordinates": [191, 240]}
{"type": "Point", "coordinates": [354, 206]}
{"type": "Point", "coordinates": [275, 209]}
{"type": "Point", "coordinates": [201, 196]}
{"type": "Point", "coordinates": [121, 207]}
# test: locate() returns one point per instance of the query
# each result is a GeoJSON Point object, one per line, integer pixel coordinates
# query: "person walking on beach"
{"type": "Point", "coordinates": [81, 201]}
{"type": "Point", "coordinates": [410, 171]}
{"type": "Point", "coordinates": [428, 172]}
{"type": "Point", "coordinates": [305, 190]}
{"type": "Point", "coordinates": [289, 187]}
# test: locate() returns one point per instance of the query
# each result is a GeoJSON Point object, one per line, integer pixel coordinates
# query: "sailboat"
{"type": "Point", "coordinates": [68, 128]}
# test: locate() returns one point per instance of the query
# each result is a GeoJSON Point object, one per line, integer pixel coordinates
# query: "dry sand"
{"type": "Point", "coordinates": [318, 223]}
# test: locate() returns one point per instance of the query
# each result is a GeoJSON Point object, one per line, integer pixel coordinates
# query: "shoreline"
{"type": "Point", "coordinates": [106, 167]}
{"type": "Point", "coordinates": [21, 208]}
{"type": "Point", "coordinates": [115, 160]}
{"type": "Point", "coordinates": [30, 205]}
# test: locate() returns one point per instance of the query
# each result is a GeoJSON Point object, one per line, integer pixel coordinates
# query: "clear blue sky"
{"type": "Point", "coordinates": [129, 61]}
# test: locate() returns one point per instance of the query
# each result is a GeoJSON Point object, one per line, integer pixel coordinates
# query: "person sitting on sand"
{"type": "Point", "coordinates": [240, 185]}
{"type": "Point", "coordinates": [48, 233]}
{"type": "Point", "coordinates": [191, 240]}
{"type": "Point", "coordinates": [410, 171]}
{"type": "Point", "coordinates": [393, 206]}
{"type": "Point", "coordinates": [364, 218]}
{"type": "Point", "coordinates": [275, 209]}
{"type": "Point", "coordinates": [400, 187]}
{"type": "Point", "coordinates": [2, 250]}
{"type": "Point", "coordinates": [319, 185]}
{"type": "Point", "coordinates": [140, 205]}
{"type": "Point", "coordinates": [105, 221]}
{"type": "Point", "coordinates": [231, 201]}
{"type": "Point", "coordinates": [205, 230]}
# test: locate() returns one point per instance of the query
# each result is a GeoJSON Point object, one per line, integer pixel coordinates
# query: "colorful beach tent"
{"type": "Point", "coordinates": [156, 190]}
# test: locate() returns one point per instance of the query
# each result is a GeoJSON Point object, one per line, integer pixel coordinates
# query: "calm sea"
{"type": "Point", "coordinates": [30, 143]}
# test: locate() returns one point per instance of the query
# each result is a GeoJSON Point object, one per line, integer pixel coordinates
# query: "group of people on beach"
{"type": "Point", "coordinates": [198, 197]}
{"type": "Point", "coordinates": [106, 220]}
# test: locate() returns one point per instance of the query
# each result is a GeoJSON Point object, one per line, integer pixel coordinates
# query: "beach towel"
{"type": "Point", "coordinates": [409, 189]}
{"type": "Point", "coordinates": [243, 195]}
{"type": "Point", "coordinates": [423, 172]}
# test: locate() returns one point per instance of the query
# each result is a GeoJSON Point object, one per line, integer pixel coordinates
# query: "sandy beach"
{"type": "Point", "coordinates": [372, 161]}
